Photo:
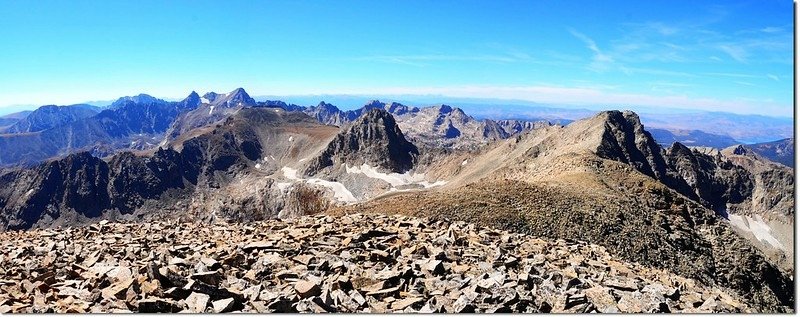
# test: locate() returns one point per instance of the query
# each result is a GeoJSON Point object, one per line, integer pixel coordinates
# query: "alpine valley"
{"type": "Point", "coordinates": [219, 203]}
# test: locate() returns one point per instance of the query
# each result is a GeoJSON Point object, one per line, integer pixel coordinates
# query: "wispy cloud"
{"type": "Point", "coordinates": [652, 71]}
{"type": "Point", "coordinates": [771, 29]}
{"type": "Point", "coordinates": [773, 77]}
{"type": "Point", "coordinates": [736, 52]}
{"type": "Point", "coordinates": [744, 83]}
{"type": "Point", "coordinates": [734, 75]}
{"type": "Point", "coordinates": [424, 60]}
{"type": "Point", "coordinates": [600, 60]}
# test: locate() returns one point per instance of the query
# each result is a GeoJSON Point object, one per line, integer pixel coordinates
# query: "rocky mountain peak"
{"type": "Point", "coordinates": [374, 139]}
{"type": "Point", "coordinates": [138, 99]}
{"type": "Point", "coordinates": [374, 104]}
{"type": "Point", "coordinates": [678, 148]}
{"type": "Point", "coordinates": [625, 139]}
{"type": "Point", "coordinates": [443, 109]}
{"type": "Point", "coordinates": [327, 107]}
{"type": "Point", "coordinates": [237, 97]}
{"type": "Point", "coordinates": [397, 108]}
{"type": "Point", "coordinates": [211, 96]}
{"type": "Point", "coordinates": [191, 101]}
{"type": "Point", "coordinates": [740, 150]}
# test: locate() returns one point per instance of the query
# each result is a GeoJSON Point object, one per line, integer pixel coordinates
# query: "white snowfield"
{"type": "Point", "coordinates": [394, 179]}
{"type": "Point", "coordinates": [211, 110]}
{"type": "Point", "coordinates": [289, 173]}
{"type": "Point", "coordinates": [758, 227]}
{"type": "Point", "coordinates": [204, 100]}
{"type": "Point", "coordinates": [340, 192]}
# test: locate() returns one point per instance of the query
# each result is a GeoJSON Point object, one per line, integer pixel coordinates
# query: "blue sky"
{"type": "Point", "coordinates": [710, 55]}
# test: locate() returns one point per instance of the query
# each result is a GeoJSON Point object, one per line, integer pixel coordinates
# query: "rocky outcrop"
{"type": "Point", "coordinates": [353, 263]}
{"type": "Point", "coordinates": [81, 185]}
{"type": "Point", "coordinates": [715, 180]}
{"type": "Point", "coordinates": [374, 139]}
{"type": "Point", "coordinates": [624, 139]}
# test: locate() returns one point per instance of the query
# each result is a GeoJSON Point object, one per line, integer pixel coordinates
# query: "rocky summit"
{"type": "Point", "coordinates": [352, 263]}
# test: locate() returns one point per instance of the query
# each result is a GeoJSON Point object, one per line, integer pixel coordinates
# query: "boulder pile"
{"type": "Point", "coordinates": [352, 263]}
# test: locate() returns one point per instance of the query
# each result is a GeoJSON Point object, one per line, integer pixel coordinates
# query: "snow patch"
{"type": "Point", "coordinates": [258, 165]}
{"type": "Point", "coordinates": [204, 100]}
{"type": "Point", "coordinates": [283, 186]}
{"type": "Point", "coordinates": [464, 162]}
{"type": "Point", "coordinates": [302, 159]}
{"type": "Point", "coordinates": [427, 184]}
{"type": "Point", "coordinates": [758, 227]}
{"type": "Point", "coordinates": [289, 173]}
{"type": "Point", "coordinates": [340, 192]}
{"type": "Point", "coordinates": [211, 110]}
{"type": "Point", "coordinates": [394, 179]}
{"type": "Point", "coordinates": [291, 138]}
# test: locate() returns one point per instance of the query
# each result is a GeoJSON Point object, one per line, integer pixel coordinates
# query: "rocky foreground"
{"type": "Point", "coordinates": [353, 263]}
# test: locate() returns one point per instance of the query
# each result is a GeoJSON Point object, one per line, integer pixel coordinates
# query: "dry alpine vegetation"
{"type": "Point", "coordinates": [352, 263]}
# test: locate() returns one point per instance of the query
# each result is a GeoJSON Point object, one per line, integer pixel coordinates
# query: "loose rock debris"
{"type": "Point", "coordinates": [352, 263]}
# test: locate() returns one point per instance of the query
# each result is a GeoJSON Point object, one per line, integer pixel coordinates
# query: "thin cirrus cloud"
{"type": "Point", "coordinates": [600, 61]}
{"type": "Point", "coordinates": [425, 60]}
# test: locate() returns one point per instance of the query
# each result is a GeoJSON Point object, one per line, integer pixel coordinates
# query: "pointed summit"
{"type": "Point", "coordinates": [374, 139]}
{"type": "Point", "coordinates": [324, 106]}
{"type": "Point", "coordinates": [191, 101]}
{"type": "Point", "coordinates": [373, 104]}
{"type": "Point", "coordinates": [237, 97]}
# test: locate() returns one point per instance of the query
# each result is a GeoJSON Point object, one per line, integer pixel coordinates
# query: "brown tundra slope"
{"type": "Point", "coordinates": [603, 180]}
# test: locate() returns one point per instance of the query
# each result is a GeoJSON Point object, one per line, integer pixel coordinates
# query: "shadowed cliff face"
{"type": "Point", "coordinates": [374, 139]}
{"type": "Point", "coordinates": [88, 186]}
{"type": "Point", "coordinates": [714, 180]}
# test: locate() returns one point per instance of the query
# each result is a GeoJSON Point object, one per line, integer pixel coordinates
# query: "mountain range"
{"type": "Point", "coordinates": [721, 217]}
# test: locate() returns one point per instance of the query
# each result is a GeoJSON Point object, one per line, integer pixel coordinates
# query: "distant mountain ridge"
{"type": "Point", "coordinates": [433, 126]}
{"type": "Point", "coordinates": [47, 117]}
{"type": "Point", "coordinates": [129, 125]}
{"type": "Point", "coordinates": [781, 151]}
{"type": "Point", "coordinates": [692, 138]}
